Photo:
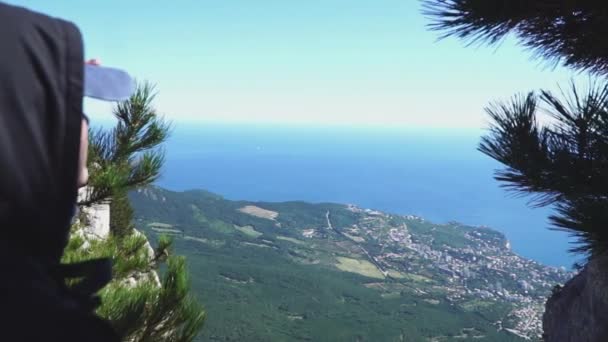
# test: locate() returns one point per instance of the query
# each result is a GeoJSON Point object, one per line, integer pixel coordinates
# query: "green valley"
{"type": "Point", "coordinates": [297, 271]}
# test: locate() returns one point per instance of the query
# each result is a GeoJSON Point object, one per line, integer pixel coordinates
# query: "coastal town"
{"type": "Point", "coordinates": [464, 265]}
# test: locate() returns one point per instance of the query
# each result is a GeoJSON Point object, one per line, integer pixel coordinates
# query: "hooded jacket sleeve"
{"type": "Point", "coordinates": [41, 87]}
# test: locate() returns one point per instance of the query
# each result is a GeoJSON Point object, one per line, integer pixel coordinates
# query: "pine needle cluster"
{"type": "Point", "coordinates": [563, 161]}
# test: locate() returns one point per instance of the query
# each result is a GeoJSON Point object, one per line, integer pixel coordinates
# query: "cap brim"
{"type": "Point", "coordinates": [107, 84]}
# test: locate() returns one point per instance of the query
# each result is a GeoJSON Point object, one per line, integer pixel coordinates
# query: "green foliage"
{"type": "Point", "coordinates": [144, 312]}
{"type": "Point", "coordinates": [121, 215]}
{"type": "Point", "coordinates": [174, 316]}
{"type": "Point", "coordinates": [129, 155]}
{"type": "Point", "coordinates": [121, 159]}
{"type": "Point", "coordinates": [161, 253]}
{"type": "Point", "coordinates": [149, 313]}
{"type": "Point", "coordinates": [128, 254]}
{"type": "Point", "coordinates": [125, 307]}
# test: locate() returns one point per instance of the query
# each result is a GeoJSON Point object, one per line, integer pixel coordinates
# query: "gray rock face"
{"type": "Point", "coordinates": [579, 311]}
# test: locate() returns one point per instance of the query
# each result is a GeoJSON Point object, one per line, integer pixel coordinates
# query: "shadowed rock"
{"type": "Point", "coordinates": [579, 310]}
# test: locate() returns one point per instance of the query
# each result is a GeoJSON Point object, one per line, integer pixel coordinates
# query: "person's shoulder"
{"type": "Point", "coordinates": [18, 14]}
{"type": "Point", "coordinates": [20, 19]}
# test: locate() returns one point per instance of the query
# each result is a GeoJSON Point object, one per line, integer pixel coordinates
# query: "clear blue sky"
{"type": "Point", "coordinates": [313, 61]}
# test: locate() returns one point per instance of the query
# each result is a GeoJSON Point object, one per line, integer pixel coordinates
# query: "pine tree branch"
{"type": "Point", "coordinates": [568, 32]}
{"type": "Point", "coordinates": [565, 163]}
{"type": "Point", "coordinates": [128, 156]}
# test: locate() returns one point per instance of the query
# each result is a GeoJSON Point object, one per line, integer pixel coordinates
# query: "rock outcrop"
{"type": "Point", "coordinates": [578, 311]}
{"type": "Point", "coordinates": [96, 226]}
{"type": "Point", "coordinates": [94, 219]}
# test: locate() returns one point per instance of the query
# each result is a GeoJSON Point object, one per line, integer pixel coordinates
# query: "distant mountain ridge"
{"type": "Point", "coordinates": [325, 271]}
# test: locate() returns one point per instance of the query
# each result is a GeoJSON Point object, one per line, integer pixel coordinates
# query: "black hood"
{"type": "Point", "coordinates": [41, 89]}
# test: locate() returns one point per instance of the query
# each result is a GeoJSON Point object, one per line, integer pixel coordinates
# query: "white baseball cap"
{"type": "Point", "coordinates": [108, 84]}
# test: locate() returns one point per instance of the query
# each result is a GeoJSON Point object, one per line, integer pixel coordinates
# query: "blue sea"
{"type": "Point", "coordinates": [436, 174]}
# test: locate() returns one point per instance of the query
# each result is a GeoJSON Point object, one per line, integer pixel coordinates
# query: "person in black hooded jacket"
{"type": "Point", "coordinates": [43, 79]}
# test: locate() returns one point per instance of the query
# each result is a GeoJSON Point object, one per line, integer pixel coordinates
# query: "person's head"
{"type": "Point", "coordinates": [43, 79]}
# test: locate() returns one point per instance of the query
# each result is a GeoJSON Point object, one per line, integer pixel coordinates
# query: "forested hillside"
{"type": "Point", "coordinates": [300, 271]}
